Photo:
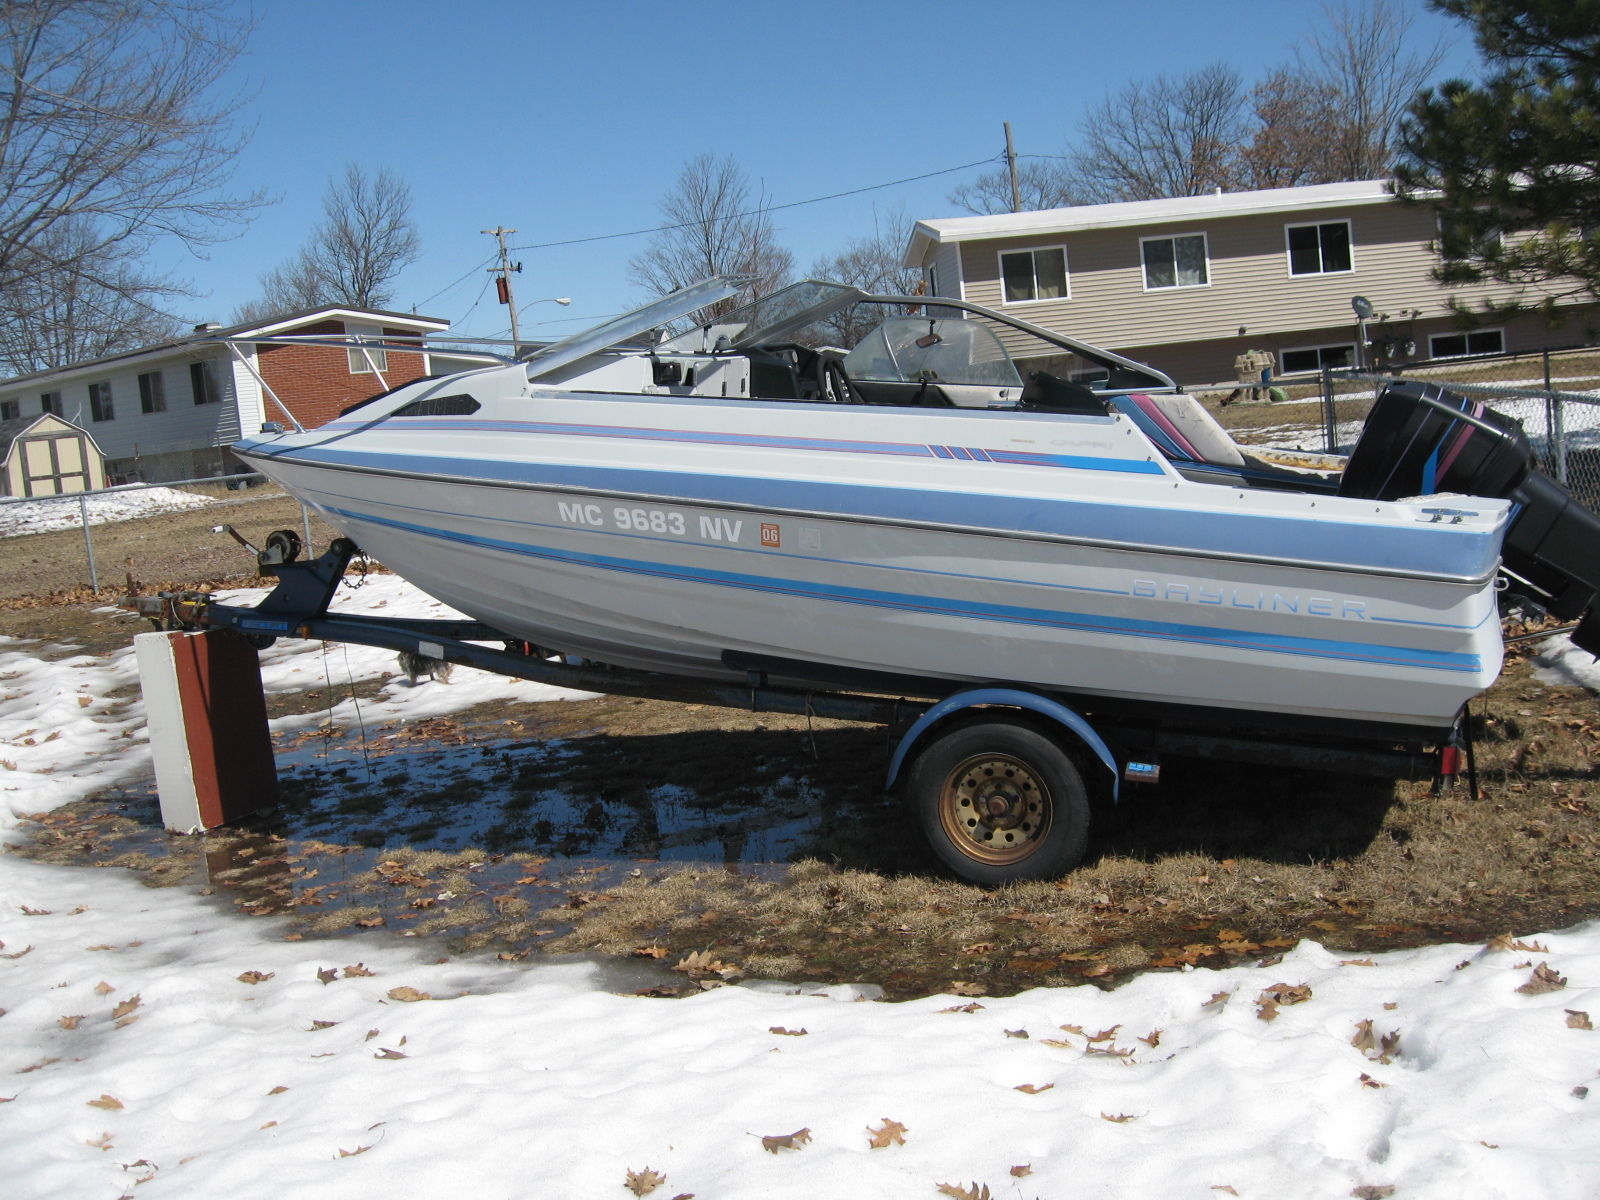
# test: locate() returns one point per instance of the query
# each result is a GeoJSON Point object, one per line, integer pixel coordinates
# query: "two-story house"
{"type": "Point", "coordinates": [169, 410]}
{"type": "Point", "coordinates": [1188, 284]}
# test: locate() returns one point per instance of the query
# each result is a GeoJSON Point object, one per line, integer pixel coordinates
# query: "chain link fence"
{"type": "Point", "coordinates": [157, 533]}
{"type": "Point", "coordinates": [1554, 394]}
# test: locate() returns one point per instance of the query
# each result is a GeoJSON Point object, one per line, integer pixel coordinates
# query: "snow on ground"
{"type": "Point", "coordinates": [61, 737]}
{"type": "Point", "coordinates": [155, 1037]}
{"type": "Point", "coordinates": [66, 512]}
{"type": "Point", "coordinates": [1561, 663]}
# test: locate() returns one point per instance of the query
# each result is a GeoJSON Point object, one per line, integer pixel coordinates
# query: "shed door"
{"type": "Point", "coordinates": [54, 465]}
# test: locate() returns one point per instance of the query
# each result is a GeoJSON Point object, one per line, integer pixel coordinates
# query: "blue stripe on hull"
{"type": "Point", "coordinates": [949, 607]}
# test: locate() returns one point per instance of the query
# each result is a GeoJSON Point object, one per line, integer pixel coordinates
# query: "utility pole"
{"type": "Point", "coordinates": [502, 283]}
{"type": "Point", "coordinates": [1011, 165]}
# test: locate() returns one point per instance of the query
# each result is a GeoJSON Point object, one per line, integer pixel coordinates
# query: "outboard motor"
{"type": "Point", "coordinates": [1420, 439]}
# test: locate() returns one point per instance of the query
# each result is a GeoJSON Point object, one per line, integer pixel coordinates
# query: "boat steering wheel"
{"type": "Point", "coordinates": [833, 387]}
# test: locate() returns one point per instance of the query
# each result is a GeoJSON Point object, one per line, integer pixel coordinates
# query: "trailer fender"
{"type": "Point", "coordinates": [1044, 706]}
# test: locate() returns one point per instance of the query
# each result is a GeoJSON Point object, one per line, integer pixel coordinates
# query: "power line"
{"type": "Point", "coordinates": [874, 187]}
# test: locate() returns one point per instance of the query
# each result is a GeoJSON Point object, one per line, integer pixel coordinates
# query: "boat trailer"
{"type": "Point", "coordinates": [1001, 777]}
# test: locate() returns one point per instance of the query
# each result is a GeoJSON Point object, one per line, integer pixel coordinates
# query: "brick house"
{"type": "Point", "coordinates": [1191, 283]}
{"type": "Point", "coordinates": [170, 410]}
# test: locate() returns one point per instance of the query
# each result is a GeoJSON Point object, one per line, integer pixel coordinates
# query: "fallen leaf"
{"type": "Point", "coordinates": [1357, 962]}
{"type": "Point", "coordinates": [256, 976]}
{"type": "Point", "coordinates": [408, 995]}
{"type": "Point", "coordinates": [352, 1153]}
{"type": "Point", "coordinates": [1021, 1170]}
{"type": "Point", "coordinates": [962, 987]}
{"type": "Point", "coordinates": [18, 953]}
{"type": "Point", "coordinates": [384, 1052]}
{"type": "Point", "coordinates": [123, 1008]}
{"type": "Point", "coordinates": [103, 1142]}
{"type": "Point", "coordinates": [72, 1021]}
{"type": "Point", "coordinates": [650, 952]}
{"type": "Point", "coordinates": [103, 988]}
{"type": "Point", "coordinates": [1224, 1187]}
{"type": "Point", "coordinates": [782, 1032]}
{"type": "Point", "coordinates": [1119, 1119]}
{"type": "Point", "coordinates": [1373, 1191]}
{"type": "Point", "coordinates": [1577, 1019]}
{"type": "Point", "coordinates": [1033, 1089]}
{"type": "Point", "coordinates": [1152, 1039]}
{"type": "Point", "coordinates": [327, 974]}
{"type": "Point", "coordinates": [1542, 980]}
{"type": "Point", "coordinates": [1379, 1049]}
{"type": "Point", "coordinates": [963, 1008]}
{"type": "Point", "coordinates": [787, 1141]}
{"type": "Point", "coordinates": [277, 1091]}
{"type": "Point", "coordinates": [1217, 1000]}
{"type": "Point", "coordinates": [1017, 1033]}
{"type": "Point", "coordinates": [975, 1192]}
{"type": "Point", "coordinates": [358, 969]}
{"type": "Point", "coordinates": [1280, 995]}
{"type": "Point", "coordinates": [890, 1133]}
{"type": "Point", "coordinates": [1105, 1035]}
{"type": "Point", "coordinates": [109, 1103]}
{"type": "Point", "coordinates": [642, 1183]}
{"type": "Point", "coordinates": [1367, 1081]}
{"type": "Point", "coordinates": [34, 912]}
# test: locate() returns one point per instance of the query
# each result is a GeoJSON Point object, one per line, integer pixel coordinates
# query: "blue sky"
{"type": "Point", "coordinates": [571, 121]}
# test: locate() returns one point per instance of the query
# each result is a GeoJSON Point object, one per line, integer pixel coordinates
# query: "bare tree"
{"type": "Point", "coordinates": [104, 304]}
{"type": "Point", "coordinates": [875, 265]}
{"type": "Point", "coordinates": [1294, 114]}
{"type": "Point", "coordinates": [712, 227]}
{"type": "Point", "coordinates": [366, 238]}
{"type": "Point", "coordinates": [112, 137]}
{"type": "Point", "coordinates": [1043, 183]}
{"type": "Point", "coordinates": [1365, 58]}
{"type": "Point", "coordinates": [1164, 137]}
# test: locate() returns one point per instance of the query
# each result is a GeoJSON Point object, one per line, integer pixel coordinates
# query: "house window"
{"type": "Point", "coordinates": [1175, 262]}
{"type": "Point", "coordinates": [50, 402]}
{"type": "Point", "coordinates": [100, 408]}
{"type": "Point", "coordinates": [364, 361]}
{"type": "Point", "coordinates": [1476, 341]}
{"type": "Point", "coordinates": [1034, 275]}
{"type": "Point", "coordinates": [10, 410]}
{"type": "Point", "coordinates": [1319, 249]}
{"type": "Point", "coordinates": [1314, 358]}
{"type": "Point", "coordinates": [203, 382]}
{"type": "Point", "coordinates": [152, 393]}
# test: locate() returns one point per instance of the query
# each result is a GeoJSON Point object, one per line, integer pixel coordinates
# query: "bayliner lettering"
{"type": "Point", "coordinates": [1282, 602]}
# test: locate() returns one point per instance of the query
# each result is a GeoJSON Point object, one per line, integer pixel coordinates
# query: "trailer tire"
{"type": "Point", "coordinates": [999, 802]}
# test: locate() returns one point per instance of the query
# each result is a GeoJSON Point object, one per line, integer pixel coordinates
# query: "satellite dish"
{"type": "Point", "coordinates": [1362, 306]}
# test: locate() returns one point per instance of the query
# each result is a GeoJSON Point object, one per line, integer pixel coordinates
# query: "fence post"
{"type": "Point", "coordinates": [88, 540]}
{"type": "Point", "coordinates": [1555, 425]}
{"type": "Point", "coordinates": [1330, 416]}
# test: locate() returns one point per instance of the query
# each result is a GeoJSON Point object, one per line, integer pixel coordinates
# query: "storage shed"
{"type": "Point", "coordinates": [48, 456]}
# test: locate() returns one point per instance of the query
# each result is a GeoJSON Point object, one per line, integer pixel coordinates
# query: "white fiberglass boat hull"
{"type": "Point", "coordinates": [1057, 551]}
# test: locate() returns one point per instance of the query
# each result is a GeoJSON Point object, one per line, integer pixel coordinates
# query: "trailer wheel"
{"type": "Point", "coordinates": [999, 801]}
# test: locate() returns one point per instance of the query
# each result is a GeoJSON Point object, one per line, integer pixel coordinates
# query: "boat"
{"type": "Point", "coordinates": [725, 495]}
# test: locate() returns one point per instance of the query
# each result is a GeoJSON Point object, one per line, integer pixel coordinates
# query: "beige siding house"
{"type": "Point", "coordinates": [1189, 284]}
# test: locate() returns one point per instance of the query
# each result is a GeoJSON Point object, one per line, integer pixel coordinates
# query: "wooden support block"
{"type": "Point", "coordinates": [208, 727]}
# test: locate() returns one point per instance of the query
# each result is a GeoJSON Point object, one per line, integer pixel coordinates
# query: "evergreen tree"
{"type": "Point", "coordinates": [1512, 163]}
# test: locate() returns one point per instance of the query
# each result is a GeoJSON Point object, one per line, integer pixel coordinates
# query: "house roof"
{"type": "Point", "coordinates": [277, 324]}
{"type": "Point", "coordinates": [1141, 212]}
{"type": "Point", "coordinates": [15, 428]}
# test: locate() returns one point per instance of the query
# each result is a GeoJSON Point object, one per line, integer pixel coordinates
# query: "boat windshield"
{"type": "Point", "coordinates": [630, 324]}
{"type": "Point", "coordinates": [944, 350]}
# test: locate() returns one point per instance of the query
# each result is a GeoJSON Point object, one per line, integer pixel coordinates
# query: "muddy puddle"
{"type": "Point", "coordinates": [485, 846]}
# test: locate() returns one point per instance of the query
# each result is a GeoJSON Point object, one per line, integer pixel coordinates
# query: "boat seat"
{"type": "Point", "coordinates": [1181, 429]}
